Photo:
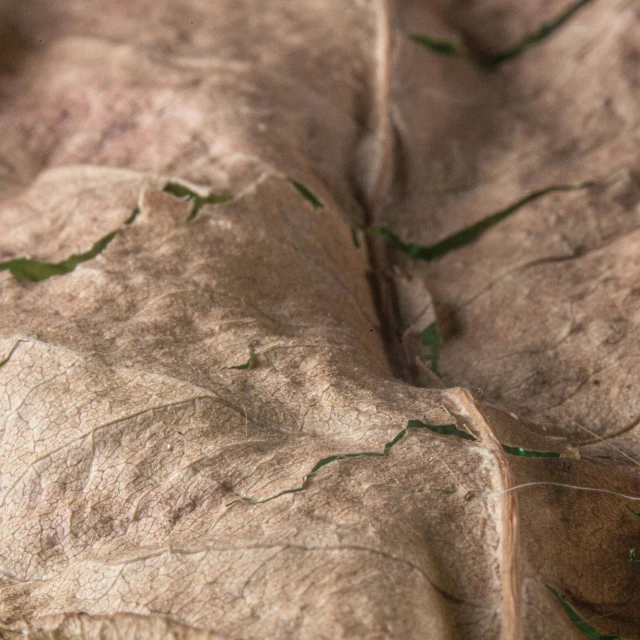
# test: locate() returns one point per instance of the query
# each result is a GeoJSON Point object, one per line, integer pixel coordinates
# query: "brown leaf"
{"type": "Point", "coordinates": [538, 314]}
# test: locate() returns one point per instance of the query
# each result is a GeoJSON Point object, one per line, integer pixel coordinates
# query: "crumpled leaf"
{"type": "Point", "coordinates": [538, 315]}
{"type": "Point", "coordinates": [202, 432]}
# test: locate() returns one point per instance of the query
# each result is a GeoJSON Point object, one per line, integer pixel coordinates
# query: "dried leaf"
{"type": "Point", "coordinates": [536, 313]}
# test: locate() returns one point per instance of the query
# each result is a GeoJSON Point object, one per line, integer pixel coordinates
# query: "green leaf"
{"type": "Point", "coordinates": [249, 364]}
{"type": "Point", "coordinates": [492, 61]}
{"type": "Point", "coordinates": [468, 234]}
{"type": "Point", "coordinates": [442, 429]}
{"type": "Point", "coordinates": [635, 513]}
{"type": "Point", "coordinates": [530, 453]}
{"type": "Point", "coordinates": [430, 337]}
{"type": "Point", "coordinates": [581, 624]}
{"type": "Point", "coordinates": [537, 36]}
{"type": "Point", "coordinates": [354, 237]}
{"type": "Point", "coordinates": [447, 429]}
{"type": "Point", "coordinates": [307, 193]}
{"type": "Point", "coordinates": [36, 271]}
{"type": "Point", "coordinates": [443, 47]}
{"type": "Point", "coordinates": [184, 193]}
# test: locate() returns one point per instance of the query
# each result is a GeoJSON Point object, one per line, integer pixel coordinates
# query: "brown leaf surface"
{"type": "Point", "coordinates": [540, 315]}
{"type": "Point", "coordinates": [202, 433]}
